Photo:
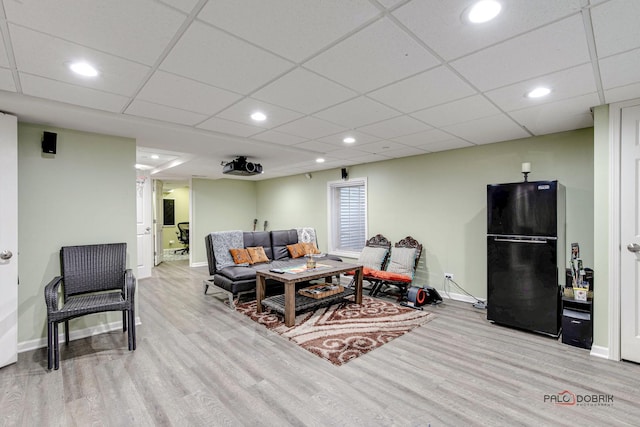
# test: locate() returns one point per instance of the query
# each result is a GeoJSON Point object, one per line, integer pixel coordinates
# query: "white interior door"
{"type": "Point", "coordinates": [630, 235]}
{"type": "Point", "coordinates": [158, 220]}
{"type": "Point", "coordinates": [144, 224]}
{"type": "Point", "coordinates": [8, 239]}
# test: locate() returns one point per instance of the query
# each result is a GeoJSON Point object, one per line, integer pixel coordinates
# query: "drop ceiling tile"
{"type": "Point", "coordinates": [278, 137]}
{"type": "Point", "coordinates": [357, 112]}
{"type": "Point", "coordinates": [304, 91]}
{"type": "Point", "coordinates": [317, 146]}
{"type": "Point", "coordinates": [294, 29]}
{"type": "Point", "coordinates": [620, 70]}
{"type": "Point", "coordinates": [622, 93]}
{"type": "Point", "coordinates": [552, 48]}
{"type": "Point", "coordinates": [46, 56]}
{"type": "Point", "coordinates": [71, 94]}
{"type": "Point", "coordinates": [380, 147]}
{"type": "Point", "coordinates": [4, 60]}
{"type": "Point", "coordinates": [473, 107]}
{"type": "Point", "coordinates": [6, 80]}
{"type": "Point", "coordinates": [180, 92]}
{"type": "Point", "coordinates": [227, 126]}
{"type": "Point", "coordinates": [488, 130]}
{"type": "Point", "coordinates": [397, 126]}
{"type": "Point", "coordinates": [376, 56]}
{"type": "Point", "coordinates": [432, 87]}
{"type": "Point", "coordinates": [347, 153]}
{"type": "Point", "coordinates": [241, 112]}
{"type": "Point", "coordinates": [211, 56]}
{"type": "Point", "coordinates": [403, 151]}
{"type": "Point", "coordinates": [560, 116]}
{"type": "Point", "coordinates": [564, 84]}
{"type": "Point", "coordinates": [421, 138]}
{"type": "Point", "coordinates": [185, 6]}
{"type": "Point", "coordinates": [369, 158]}
{"type": "Point", "coordinates": [311, 128]}
{"type": "Point", "coordinates": [163, 113]}
{"type": "Point", "coordinates": [136, 30]}
{"type": "Point", "coordinates": [615, 26]}
{"type": "Point", "coordinates": [444, 145]}
{"type": "Point", "coordinates": [337, 139]}
{"type": "Point", "coordinates": [430, 20]}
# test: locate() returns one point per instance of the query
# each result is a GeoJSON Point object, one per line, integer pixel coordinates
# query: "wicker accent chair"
{"type": "Point", "coordinates": [385, 283]}
{"type": "Point", "coordinates": [94, 279]}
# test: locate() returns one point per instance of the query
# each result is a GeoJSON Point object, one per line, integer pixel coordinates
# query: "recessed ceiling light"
{"type": "Point", "coordinates": [155, 156]}
{"type": "Point", "coordinates": [83, 69]}
{"type": "Point", "coordinates": [483, 11]}
{"type": "Point", "coordinates": [539, 92]}
{"type": "Point", "coordinates": [319, 160]}
{"type": "Point", "coordinates": [259, 116]}
{"type": "Point", "coordinates": [349, 140]}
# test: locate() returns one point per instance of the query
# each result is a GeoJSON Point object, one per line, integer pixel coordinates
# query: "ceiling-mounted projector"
{"type": "Point", "coordinates": [240, 166]}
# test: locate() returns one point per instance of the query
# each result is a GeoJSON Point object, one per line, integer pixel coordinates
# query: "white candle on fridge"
{"type": "Point", "coordinates": [526, 167]}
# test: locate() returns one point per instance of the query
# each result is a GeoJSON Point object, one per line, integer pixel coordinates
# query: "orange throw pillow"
{"type": "Point", "coordinates": [310, 248]}
{"type": "Point", "coordinates": [240, 256]}
{"type": "Point", "coordinates": [257, 254]}
{"type": "Point", "coordinates": [296, 251]}
{"type": "Point", "coordinates": [392, 277]}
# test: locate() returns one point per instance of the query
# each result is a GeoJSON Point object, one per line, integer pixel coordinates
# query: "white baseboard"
{"type": "Point", "coordinates": [199, 264]}
{"type": "Point", "coordinates": [598, 351]}
{"type": "Point", "coordinates": [458, 297]}
{"type": "Point", "coordinates": [75, 335]}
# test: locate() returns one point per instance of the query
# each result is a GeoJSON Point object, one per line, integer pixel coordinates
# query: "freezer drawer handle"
{"type": "Point", "coordinates": [520, 241]}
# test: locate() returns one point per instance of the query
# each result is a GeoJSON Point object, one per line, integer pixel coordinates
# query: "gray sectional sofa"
{"type": "Point", "coordinates": [238, 279]}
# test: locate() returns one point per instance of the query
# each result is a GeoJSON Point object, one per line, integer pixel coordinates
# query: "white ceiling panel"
{"type": "Point", "coordinates": [487, 130]}
{"type": "Point", "coordinates": [316, 146]}
{"type": "Point", "coordinates": [295, 29]}
{"type": "Point", "coordinates": [337, 139]}
{"type": "Point", "coordinates": [304, 91]}
{"type": "Point", "coordinates": [432, 87]}
{"type": "Point", "coordinates": [397, 126]}
{"type": "Point", "coordinates": [214, 57]}
{"type": "Point", "coordinates": [615, 25]}
{"type": "Point", "coordinates": [6, 80]}
{"type": "Point", "coordinates": [311, 128]}
{"type": "Point", "coordinates": [380, 147]}
{"type": "Point", "coordinates": [185, 6]}
{"type": "Point", "coordinates": [402, 151]}
{"type": "Point", "coordinates": [462, 110]}
{"type": "Point", "coordinates": [620, 70]}
{"type": "Point", "coordinates": [378, 55]}
{"type": "Point", "coordinates": [179, 92]}
{"type": "Point", "coordinates": [71, 94]}
{"type": "Point", "coordinates": [137, 30]}
{"type": "Point", "coordinates": [49, 57]}
{"type": "Point", "coordinates": [278, 138]}
{"type": "Point", "coordinates": [558, 116]}
{"type": "Point", "coordinates": [563, 84]}
{"type": "Point", "coordinates": [230, 127]}
{"type": "Point", "coordinates": [164, 113]}
{"type": "Point", "coordinates": [241, 112]}
{"type": "Point", "coordinates": [422, 138]}
{"type": "Point", "coordinates": [622, 93]}
{"type": "Point", "coordinates": [357, 112]}
{"type": "Point", "coordinates": [444, 145]}
{"type": "Point", "coordinates": [552, 48]}
{"type": "Point", "coordinates": [4, 59]}
{"type": "Point", "coordinates": [432, 19]}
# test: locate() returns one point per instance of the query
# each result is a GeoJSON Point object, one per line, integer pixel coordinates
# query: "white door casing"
{"type": "Point", "coordinates": [144, 225]}
{"type": "Point", "coordinates": [630, 234]}
{"type": "Point", "coordinates": [8, 239]}
{"type": "Point", "coordinates": [158, 220]}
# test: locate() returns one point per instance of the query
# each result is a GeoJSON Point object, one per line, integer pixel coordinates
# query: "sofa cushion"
{"type": "Point", "coordinates": [390, 276]}
{"type": "Point", "coordinates": [257, 254]}
{"type": "Point", "coordinates": [223, 241]}
{"type": "Point", "coordinates": [253, 239]}
{"type": "Point", "coordinates": [240, 256]}
{"type": "Point", "coordinates": [279, 241]}
{"type": "Point", "coordinates": [296, 250]}
{"type": "Point", "coordinates": [237, 272]}
{"type": "Point", "coordinates": [310, 248]}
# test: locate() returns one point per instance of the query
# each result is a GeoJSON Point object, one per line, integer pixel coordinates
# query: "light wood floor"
{"type": "Point", "coordinates": [200, 364]}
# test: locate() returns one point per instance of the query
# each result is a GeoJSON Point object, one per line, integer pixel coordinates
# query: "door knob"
{"type": "Point", "coordinates": [633, 247]}
{"type": "Point", "coordinates": [5, 254]}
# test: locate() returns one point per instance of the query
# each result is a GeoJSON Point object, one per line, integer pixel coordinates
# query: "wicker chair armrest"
{"type": "Point", "coordinates": [129, 284]}
{"type": "Point", "coordinates": [51, 294]}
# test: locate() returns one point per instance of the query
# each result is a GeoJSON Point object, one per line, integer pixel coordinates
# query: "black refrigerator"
{"type": "Point", "coordinates": [525, 255]}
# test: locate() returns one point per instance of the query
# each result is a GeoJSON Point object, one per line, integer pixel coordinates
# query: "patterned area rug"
{"type": "Point", "coordinates": [343, 331]}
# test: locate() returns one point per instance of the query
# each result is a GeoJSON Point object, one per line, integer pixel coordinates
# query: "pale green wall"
{"type": "Point", "coordinates": [181, 197]}
{"type": "Point", "coordinates": [218, 205]}
{"type": "Point", "coordinates": [84, 194]}
{"type": "Point", "coordinates": [440, 200]}
{"type": "Point", "coordinates": [601, 185]}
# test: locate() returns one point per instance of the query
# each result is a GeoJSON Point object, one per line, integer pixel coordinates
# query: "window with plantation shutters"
{"type": "Point", "coordinates": [347, 217]}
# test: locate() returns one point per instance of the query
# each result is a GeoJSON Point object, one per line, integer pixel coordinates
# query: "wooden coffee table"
{"type": "Point", "coordinates": [289, 280]}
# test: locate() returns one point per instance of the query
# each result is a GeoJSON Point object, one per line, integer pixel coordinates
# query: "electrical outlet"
{"type": "Point", "coordinates": [448, 275]}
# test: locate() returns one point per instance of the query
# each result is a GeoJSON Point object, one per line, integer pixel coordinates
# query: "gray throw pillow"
{"type": "Point", "coordinates": [372, 257]}
{"type": "Point", "coordinates": [402, 261]}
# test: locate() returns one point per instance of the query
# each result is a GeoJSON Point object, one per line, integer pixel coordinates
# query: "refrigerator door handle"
{"type": "Point", "coordinates": [497, 239]}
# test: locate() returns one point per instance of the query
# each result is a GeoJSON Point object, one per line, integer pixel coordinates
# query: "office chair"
{"type": "Point", "coordinates": [183, 237]}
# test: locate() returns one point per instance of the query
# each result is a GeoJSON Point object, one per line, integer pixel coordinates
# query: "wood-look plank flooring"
{"type": "Point", "coordinates": [200, 364]}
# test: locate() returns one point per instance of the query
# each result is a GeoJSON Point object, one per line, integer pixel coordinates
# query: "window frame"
{"type": "Point", "coordinates": [332, 219]}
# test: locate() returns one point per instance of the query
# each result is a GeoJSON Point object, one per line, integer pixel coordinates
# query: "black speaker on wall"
{"type": "Point", "coordinates": [345, 175]}
{"type": "Point", "coordinates": [49, 142]}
